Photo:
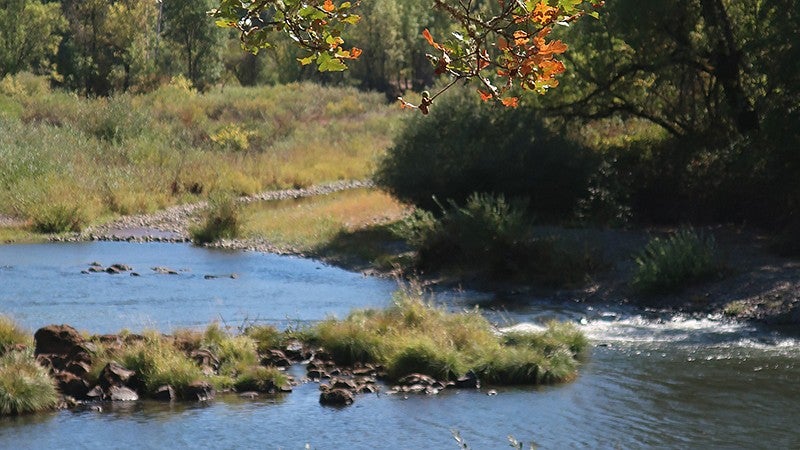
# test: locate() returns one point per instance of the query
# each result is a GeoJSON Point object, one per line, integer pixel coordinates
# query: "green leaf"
{"type": "Point", "coordinates": [307, 60]}
{"type": "Point", "coordinates": [327, 63]}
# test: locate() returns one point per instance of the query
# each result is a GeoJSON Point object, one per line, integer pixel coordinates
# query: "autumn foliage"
{"type": "Point", "coordinates": [501, 47]}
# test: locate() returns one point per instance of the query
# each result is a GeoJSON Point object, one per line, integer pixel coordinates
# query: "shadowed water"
{"type": "Point", "coordinates": [650, 380]}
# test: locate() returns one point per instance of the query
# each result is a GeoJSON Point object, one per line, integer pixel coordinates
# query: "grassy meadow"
{"type": "Point", "coordinates": [67, 161]}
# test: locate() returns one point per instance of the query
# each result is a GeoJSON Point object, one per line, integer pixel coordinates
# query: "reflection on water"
{"type": "Point", "coordinates": [651, 380]}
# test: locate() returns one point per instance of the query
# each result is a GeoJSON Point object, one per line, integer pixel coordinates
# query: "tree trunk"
{"type": "Point", "coordinates": [727, 60]}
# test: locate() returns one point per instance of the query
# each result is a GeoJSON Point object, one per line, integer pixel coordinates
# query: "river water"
{"type": "Point", "coordinates": [650, 381]}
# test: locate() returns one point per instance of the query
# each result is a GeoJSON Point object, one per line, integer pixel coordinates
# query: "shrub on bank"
{"type": "Point", "coordinates": [223, 219]}
{"type": "Point", "coordinates": [670, 264]}
{"type": "Point", "coordinates": [25, 386]}
{"type": "Point", "coordinates": [492, 236]}
{"type": "Point", "coordinates": [465, 146]}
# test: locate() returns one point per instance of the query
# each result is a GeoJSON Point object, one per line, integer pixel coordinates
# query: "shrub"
{"type": "Point", "coordinates": [465, 146]}
{"type": "Point", "coordinates": [491, 235]}
{"type": "Point", "coordinates": [667, 265]}
{"type": "Point", "coordinates": [25, 386]}
{"type": "Point", "coordinates": [58, 218]}
{"type": "Point", "coordinates": [223, 219]}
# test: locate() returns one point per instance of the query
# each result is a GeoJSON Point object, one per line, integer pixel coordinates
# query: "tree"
{"type": "Point", "coordinates": [500, 46]}
{"type": "Point", "coordinates": [29, 36]}
{"type": "Point", "coordinates": [198, 43]}
{"type": "Point", "coordinates": [701, 69]}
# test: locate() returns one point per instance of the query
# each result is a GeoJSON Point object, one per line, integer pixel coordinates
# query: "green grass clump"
{"type": "Point", "coordinates": [223, 219]}
{"type": "Point", "coordinates": [413, 336]}
{"type": "Point", "coordinates": [668, 265]}
{"type": "Point", "coordinates": [11, 334]}
{"type": "Point", "coordinates": [261, 379]}
{"type": "Point", "coordinates": [25, 386]}
{"type": "Point", "coordinates": [157, 363]}
{"type": "Point", "coordinates": [266, 337]}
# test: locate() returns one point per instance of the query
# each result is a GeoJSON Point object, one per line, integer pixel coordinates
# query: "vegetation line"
{"type": "Point", "coordinates": [176, 219]}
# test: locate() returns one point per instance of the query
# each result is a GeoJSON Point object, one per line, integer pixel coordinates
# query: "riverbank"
{"type": "Point", "coordinates": [755, 284]}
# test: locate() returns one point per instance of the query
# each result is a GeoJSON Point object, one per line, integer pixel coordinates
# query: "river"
{"type": "Point", "coordinates": [651, 380]}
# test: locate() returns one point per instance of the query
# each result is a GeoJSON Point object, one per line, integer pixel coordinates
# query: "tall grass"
{"type": "Point", "coordinates": [307, 224]}
{"type": "Point", "coordinates": [11, 334]}
{"type": "Point", "coordinates": [132, 154]}
{"type": "Point", "coordinates": [25, 386]}
{"type": "Point", "coordinates": [672, 263]}
{"type": "Point", "coordinates": [223, 219]}
{"type": "Point", "coordinates": [413, 336]}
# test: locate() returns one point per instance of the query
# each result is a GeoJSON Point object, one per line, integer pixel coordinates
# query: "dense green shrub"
{"type": "Point", "coordinates": [25, 386]}
{"type": "Point", "coordinates": [669, 264]}
{"type": "Point", "coordinates": [222, 219]}
{"type": "Point", "coordinates": [492, 236]}
{"type": "Point", "coordinates": [466, 146]}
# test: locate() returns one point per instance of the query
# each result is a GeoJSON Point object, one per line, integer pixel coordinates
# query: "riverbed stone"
{"type": "Point", "coordinates": [165, 393]}
{"type": "Point", "coordinates": [72, 385]}
{"type": "Point", "coordinates": [56, 339]}
{"type": "Point", "coordinates": [122, 394]}
{"type": "Point", "coordinates": [336, 397]}
{"type": "Point", "coordinates": [115, 374]}
{"type": "Point", "coordinates": [199, 390]}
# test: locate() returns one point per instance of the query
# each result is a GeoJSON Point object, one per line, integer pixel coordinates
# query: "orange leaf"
{"type": "Point", "coordinates": [484, 95]}
{"type": "Point", "coordinates": [551, 68]}
{"type": "Point", "coordinates": [483, 60]}
{"type": "Point", "coordinates": [520, 38]}
{"type": "Point", "coordinates": [355, 52]}
{"type": "Point", "coordinates": [543, 13]}
{"type": "Point", "coordinates": [510, 102]}
{"type": "Point", "coordinates": [427, 35]}
{"type": "Point", "coordinates": [502, 43]}
{"type": "Point", "coordinates": [328, 6]}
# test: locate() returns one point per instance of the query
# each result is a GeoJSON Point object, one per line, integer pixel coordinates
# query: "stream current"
{"type": "Point", "coordinates": [651, 380]}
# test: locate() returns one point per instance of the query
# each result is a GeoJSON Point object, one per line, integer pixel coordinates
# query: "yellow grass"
{"type": "Point", "coordinates": [309, 223]}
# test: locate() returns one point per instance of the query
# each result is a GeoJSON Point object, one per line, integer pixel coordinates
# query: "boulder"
{"type": "Point", "coordinates": [205, 358]}
{"type": "Point", "coordinates": [122, 394]}
{"type": "Point", "coordinates": [336, 397]}
{"type": "Point", "coordinates": [56, 339]}
{"type": "Point", "coordinates": [71, 385]}
{"type": "Point", "coordinates": [165, 393]}
{"type": "Point", "coordinates": [78, 368]}
{"type": "Point", "coordinates": [122, 267]}
{"type": "Point", "coordinates": [199, 390]}
{"type": "Point", "coordinates": [114, 374]}
{"type": "Point", "coordinates": [468, 381]}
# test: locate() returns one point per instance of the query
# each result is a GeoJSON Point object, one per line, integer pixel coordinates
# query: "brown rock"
{"type": "Point", "coordinates": [199, 390]}
{"type": "Point", "coordinates": [336, 397]}
{"type": "Point", "coordinates": [71, 385]}
{"type": "Point", "coordinates": [114, 374]}
{"type": "Point", "coordinates": [56, 339]}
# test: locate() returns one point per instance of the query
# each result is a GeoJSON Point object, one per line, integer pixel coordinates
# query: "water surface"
{"type": "Point", "coordinates": [650, 381]}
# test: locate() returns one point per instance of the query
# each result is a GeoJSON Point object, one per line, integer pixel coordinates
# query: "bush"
{"type": "Point", "coordinates": [492, 236]}
{"type": "Point", "coordinates": [465, 146]}
{"type": "Point", "coordinates": [25, 386]}
{"type": "Point", "coordinates": [668, 265]}
{"type": "Point", "coordinates": [58, 218]}
{"type": "Point", "coordinates": [223, 219]}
